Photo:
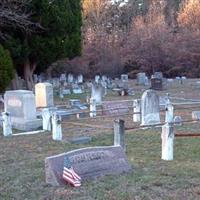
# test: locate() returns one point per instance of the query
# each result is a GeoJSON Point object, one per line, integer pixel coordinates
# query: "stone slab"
{"type": "Point", "coordinates": [88, 163]}
{"type": "Point", "coordinates": [115, 108]}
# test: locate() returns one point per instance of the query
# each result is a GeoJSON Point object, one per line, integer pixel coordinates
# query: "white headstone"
{"type": "Point", "coordinates": [124, 77]}
{"type": "Point", "coordinates": [70, 78]}
{"type": "Point", "coordinates": [96, 93]}
{"type": "Point", "coordinates": [21, 106]}
{"type": "Point", "coordinates": [44, 95]}
{"type": "Point", "coordinates": [80, 78]}
{"type": "Point", "coordinates": [136, 108]}
{"type": "Point", "coordinates": [141, 78]}
{"type": "Point", "coordinates": [63, 77]}
{"type": "Point", "coordinates": [97, 79]}
{"type": "Point", "coordinates": [150, 108]}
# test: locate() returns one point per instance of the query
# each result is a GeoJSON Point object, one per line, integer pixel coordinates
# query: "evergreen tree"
{"type": "Point", "coordinates": [61, 36]}
{"type": "Point", "coordinates": [6, 69]}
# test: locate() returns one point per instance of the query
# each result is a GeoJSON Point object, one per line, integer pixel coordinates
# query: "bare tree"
{"type": "Point", "coordinates": [14, 15]}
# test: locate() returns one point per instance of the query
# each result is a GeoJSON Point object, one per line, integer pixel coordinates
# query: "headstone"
{"type": "Point", "coordinates": [156, 84]}
{"type": "Point", "coordinates": [80, 78]}
{"type": "Point", "coordinates": [196, 115]}
{"type": "Point", "coordinates": [124, 77]}
{"type": "Point", "coordinates": [178, 120]}
{"type": "Point", "coordinates": [115, 108]}
{"type": "Point", "coordinates": [150, 108]}
{"type": "Point", "coordinates": [66, 91]}
{"type": "Point", "coordinates": [136, 109]}
{"type": "Point", "coordinates": [97, 93]}
{"type": "Point", "coordinates": [44, 95]}
{"type": "Point", "coordinates": [88, 163]}
{"type": "Point", "coordinates": [35, 78]}
{"type": "Point", "coordinates": [167, 137]}
{"type": "Point", "coordinates": [70, 78]}
{"type": "Point", "coordinates": [21, 106]}
{"type": "Point", "coordinates": [141, 78]}
{"type": "Point", "coordinates": [97, 79]}
{"type": "Point", "coordinates": [158, 75]}
{"type": "Point", "coordinates": [63, 78]}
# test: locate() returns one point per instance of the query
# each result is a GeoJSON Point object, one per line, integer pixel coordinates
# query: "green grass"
{"type": "Point", "coordinates": [22, 174]}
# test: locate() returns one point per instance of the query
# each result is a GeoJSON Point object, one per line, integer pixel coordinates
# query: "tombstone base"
{"type": "Point", "coordinates": [26, 125]}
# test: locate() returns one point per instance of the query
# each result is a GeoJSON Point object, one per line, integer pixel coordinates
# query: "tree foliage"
{"type": "Point", "coordinates": [6, 69]}
{"type": "Point", "coordinates": [61, 36]}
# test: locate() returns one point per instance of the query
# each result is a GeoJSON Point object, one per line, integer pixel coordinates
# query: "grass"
{"type": "Point", "coordinates": [22, 170]}
{"type": "Point", "coordinates": [22, 173]}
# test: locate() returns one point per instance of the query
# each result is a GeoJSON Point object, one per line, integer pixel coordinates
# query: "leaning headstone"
{"type": "Point", "coordinates": [21, 106]}
{"type": "Point", "coordinates": [44, 95]}
{"type": "Point", "coordinates": [97, 93]}
{"type": "Point", "coordinates": [150, 108]}
{"type": "Point", "coordinates": [88, 163]}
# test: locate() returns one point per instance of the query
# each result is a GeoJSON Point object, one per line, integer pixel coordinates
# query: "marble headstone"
{"type": "Point", "coordinates": [150, 108]}
{"type": "Point", "coordinates": [44, 95]}
{"type": "Point", "coordinates": [21, 106]}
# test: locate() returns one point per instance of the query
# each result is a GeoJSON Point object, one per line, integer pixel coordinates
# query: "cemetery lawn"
{"type": "Point", "coordinates": [22, 170]}
{"type": "Point", "coordinates": [22, 173]}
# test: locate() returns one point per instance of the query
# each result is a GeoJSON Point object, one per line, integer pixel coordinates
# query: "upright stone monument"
{"type": "Point", "coordinates": [44, 95]}
{"type": "Point", "coordinates": [150, 108]}
{"type": "Point", "coordinates": [97, 93]}
{"type": "Point", "coordinates": [21, 106]}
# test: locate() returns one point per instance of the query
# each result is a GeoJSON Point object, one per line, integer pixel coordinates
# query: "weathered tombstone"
{"type": "Point", "coordinates": [156, 84]}
{"type": "Point", "coordinates": [63, 78]}
{"type": "Point", "coordinates": [115, 108]}
{"type": "Point", "coordinates": [97, 93]}
{"type": "Point", "coordinates": [97, 79]}
{"type": "Point", "coordinates": [7, 126]}
{"type": "Point", "coordinates": [158, 75]}
{"type": "Point", "coordinates": [35, 78]}
{"type": "Point", "coordinates": [56, 127]}
{"type": "Point", "coordinates": [167, 137]}
{"type": "Point", "coordinates": [21, 106]}
{"type": "Point", "coordinates": [196, 115]}
{"type": "Point", "coordinates": [70, 78]}
{"type": "Point", "coordinates": [136, 109]}
{"type": "Point", "coordinates": [150, 108]}
{"type": "Point", "coordinates": [141, 78]}
{"type": "Point", "coordinates": [80, 79]}
{"type": "Point", "coordinates": [178, 120]}
{"type": "Point", "coordinates": [92, 107]}
{"type": "Point", "coordinates": [124, 77]}
{"type": "Point", "coordinates": [44, 95]}
{"type": "Point", "coordinates": [169, 114]}
{"type": "Point", "coordinates": [88, 163]}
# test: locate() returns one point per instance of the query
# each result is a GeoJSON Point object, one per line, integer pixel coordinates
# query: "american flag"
{"type": "Point", "coordinates": [69, 175]}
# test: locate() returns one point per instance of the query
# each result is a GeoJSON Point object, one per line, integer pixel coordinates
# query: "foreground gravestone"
{"type": "Point", "coordinates": [150, 108]}
{"type": "Point", "coordinates": [88, 163]}
{"type": "Point", "coordinates": [21, 106]}
{"type": "Point", "coordinates": [44, 95]}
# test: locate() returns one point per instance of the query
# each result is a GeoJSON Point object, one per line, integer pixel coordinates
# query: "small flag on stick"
{"type": "Point", "coordinates": [69, 175]}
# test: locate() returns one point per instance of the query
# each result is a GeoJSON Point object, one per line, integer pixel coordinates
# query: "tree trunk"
{"type": "Point", "coordinates": [28, 74]}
